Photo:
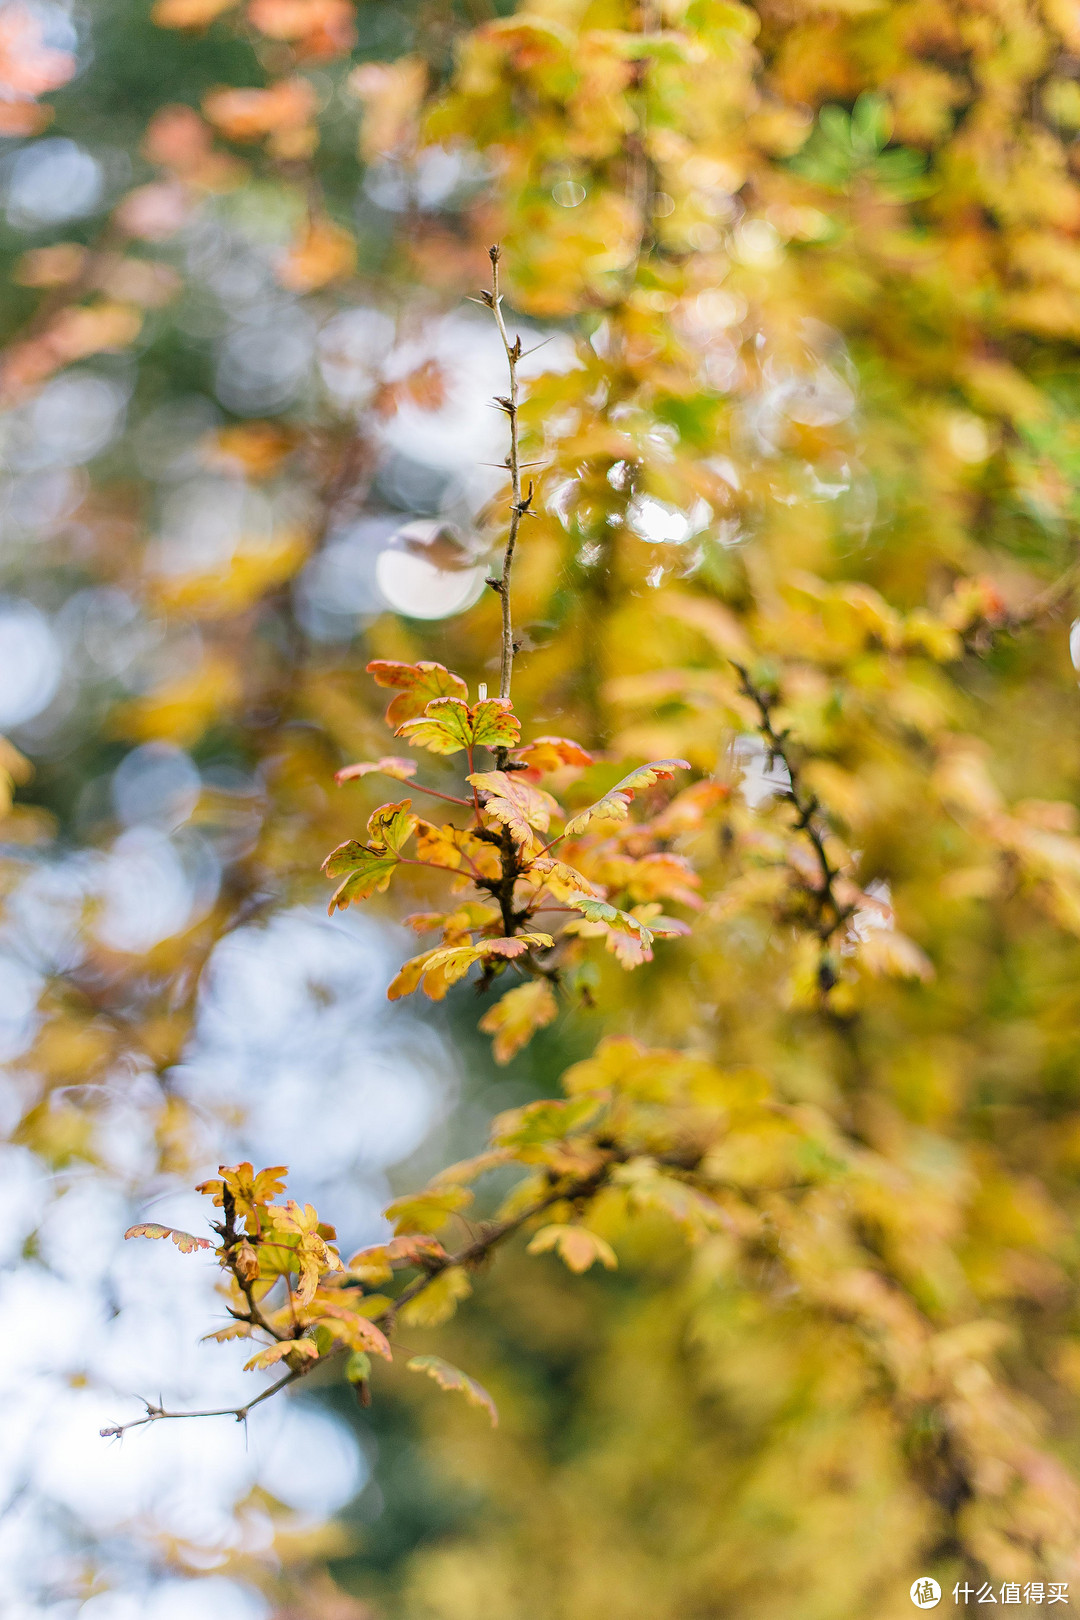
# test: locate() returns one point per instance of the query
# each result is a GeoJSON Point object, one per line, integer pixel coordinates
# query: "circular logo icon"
{"type": "Point", "coordinates": [925, 1592]}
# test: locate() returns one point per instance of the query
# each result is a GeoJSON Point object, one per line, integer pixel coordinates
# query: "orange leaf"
{"type": "Point", "coordinates": [418, 684]}
{"type": "Point", "coordinates": [553, 754]}
{"type": "Point", "coordinates": [248, 115]}
{"type": "Point", "coordinates": [319, 28]}
{"type": "Point", "coordinates": [324, 252]}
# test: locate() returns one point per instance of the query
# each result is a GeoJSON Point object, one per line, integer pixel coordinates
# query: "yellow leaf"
{"type": "Point", "coordinates": [377, 1263]}
{"type": "Point", "coordinates": [440, 968]}
{"type": "Point", "coordinates": [427, 1211]}
{"type": "Point", "coordinates": [439, 1300]}
{"type": "Point", "coordinates": [516, 804]}
{"type": "Point", "coordinates": [235, 1330]}
{"type": "Point", "coordinates": [517, 1016]}
{"type": "Point", "coordinates": [189, 13]}
{"type": "Point", "coordinates": [450, 1377]}
{"type": "Point", "coordinates": [575, 1245]}
{"type": "Point", "coordinates": [299, 1350]}
{"type": "Point", "coordinates": [185, 1242]}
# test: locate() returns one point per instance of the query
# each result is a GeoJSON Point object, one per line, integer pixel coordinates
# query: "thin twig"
{"type": "Point", "coordinates": [471, 1254]}
{"type": "Point", "coordinates": [1055, 594]}
{"type": "Point", "coordinates": [158, 1414]}
{"type": "Point", "coordinates": [481, 1247]}
{"type": "Point", "coordinates": [508, 403]}
{"type": "Point", "coordinates": [449, 798]}
{"type": "Point", "coordinates": [832, 914]}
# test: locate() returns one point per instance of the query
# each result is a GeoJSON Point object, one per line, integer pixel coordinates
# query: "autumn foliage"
{"type": "Point", "coordinates": [761, 858]}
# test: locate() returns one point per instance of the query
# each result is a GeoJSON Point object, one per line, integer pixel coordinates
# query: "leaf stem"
{"type": "Point", "coordinates": [448, 798]}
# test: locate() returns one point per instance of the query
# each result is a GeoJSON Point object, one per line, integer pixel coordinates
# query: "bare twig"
{"type": "Point", "coordinates": [471, 1254]}
{"type": "Point", "coordinates": [831, 912]}
{"type": "Point", "coordinates": [518, 505]}
{"type": "Point", "coordinates": [1046, 602]}
{"type": "Point", "coordinates": [481, 1246]}
{"type": "Point", "coordinates": [158, 1414]}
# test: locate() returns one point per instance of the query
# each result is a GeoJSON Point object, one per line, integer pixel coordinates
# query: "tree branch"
{"type": "Point", "coordinates": [471, 1254]}
{"type": "Point", "coordinates": [518, 506]}
{"type": "Point", "coordinates": [158, 1414]}
{"type": "Point", "coordinates": [832, 914]}
{"type": "Point", "coordinates": [481, 1246]}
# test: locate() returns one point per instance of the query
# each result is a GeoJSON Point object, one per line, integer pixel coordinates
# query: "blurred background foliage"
{"type": "Point", "coordinates": [807, 281]}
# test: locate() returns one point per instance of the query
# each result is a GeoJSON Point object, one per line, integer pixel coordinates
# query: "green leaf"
{"type": "Point", "coordinates": [871, 123]}
{"type": "Point", "coordinates": [368, 872]}
{"type": "Point", "coordinates": [614, 806]}
{"type": "Point", "coordinates": [368, 868]}
{"type": "Point", "coordinates": [495, 725]}
{"type": "Point", "coordinates": [450, 1377]}
{"type": "Point", "coordinates": [391, 826]}
{"type": "Point", "coordinates": [628, 937]}
{"type": "Point", "coordinates": [448, 725]}
{"type": "Point", "coordinates": [548, 1120]}
{"type": "Point", "coordinates": [844, 147]}
{"type": "Point", "coordinates": [358, 1367]}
